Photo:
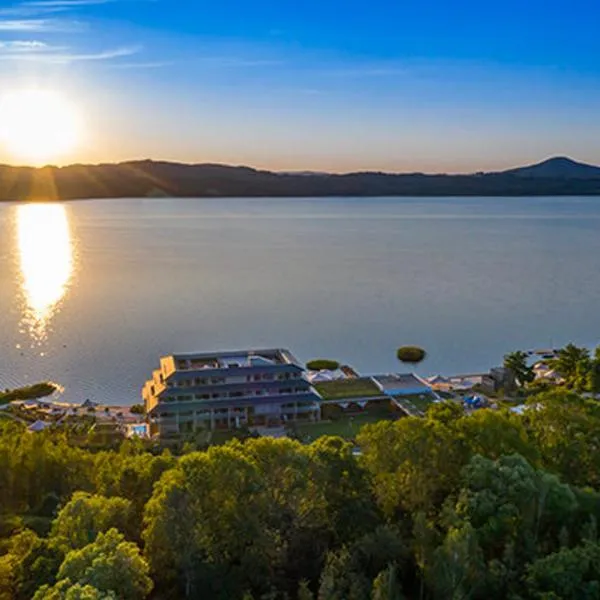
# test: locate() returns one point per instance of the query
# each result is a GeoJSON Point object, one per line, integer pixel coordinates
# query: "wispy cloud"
{"type": "Point", "coordinates": [39, 25]}
{"type": "Point", "coordinates": [64, 4]}
{"type": "Point", "coordinates": [226, 61]}
{"type": "Point", "coordinates": [143, 65]}
{"type": "Point", "coordinates": [368, 71]}
{"type": "Point", "coordinates": [70, 57]}
{"type": "Point", "coordinates": [23, 46]}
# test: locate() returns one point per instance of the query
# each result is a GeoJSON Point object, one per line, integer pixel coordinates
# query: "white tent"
{"type": "Point", "coordinates": [317, 376]}
{"type": "Point", "coordinates": [38, 426]}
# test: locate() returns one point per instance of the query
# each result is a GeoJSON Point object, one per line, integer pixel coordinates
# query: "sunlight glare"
{"type": "Point", "coordinates": [38, 125]}
{"type": "Point", "coordinates": [46, 257]}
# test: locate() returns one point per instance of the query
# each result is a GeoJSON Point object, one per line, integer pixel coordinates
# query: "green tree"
{"type": "Point", "coordinates": [386, 586]}
{"type": "Point", "coordinates": [572, 363]}
{"type": "Point", "coordinates": [565, 429]}
{"type": "Point", "coordinates": [516, 362]}
{"type": "Point", "coordinates": [593, 384]}
{"type": "Point", "coordinates": [203, 524]}
{"type": "Point", "coordinates": [569, 574]}
{"type": "Point", "coordinates": [85, 515]}
{"type": "Point", "coordinates": [110, 564]}
{"type": "Point", "coordinates": [412, 355]}
{"type": "Point", "coordinates": [304, 592]}
{"type": "Point", "coordinates": [65, 590]}
{"type": "Point", "coordinates": [414, 463]}
{"type": "Point", "coordinates": [38, 566]}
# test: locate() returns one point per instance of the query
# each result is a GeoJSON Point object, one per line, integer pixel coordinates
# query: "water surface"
{"type": "Point", "coordinates": [91, 293]}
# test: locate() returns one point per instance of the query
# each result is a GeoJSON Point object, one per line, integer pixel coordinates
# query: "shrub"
{"type": "Point", "coordinates": [411, 354]}
{"type": "Point", "coordinates": [322, 364]}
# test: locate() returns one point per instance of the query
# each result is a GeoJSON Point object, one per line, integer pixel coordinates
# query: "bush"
{"type": "Point", "coordinates": [32, 392]}
{"type": "Point", "coordinates": [137, 409]}
{"type": "Point", "coordinates": [322, 364]}
{"type": "Point", "coordinates": [411, 354]}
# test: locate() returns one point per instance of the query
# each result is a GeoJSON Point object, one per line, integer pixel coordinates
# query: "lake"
{"type": "Point", "coordinates": [93, 292]}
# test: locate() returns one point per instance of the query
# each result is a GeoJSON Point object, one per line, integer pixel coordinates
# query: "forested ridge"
{"type": "Point", "coordinates": [492, 505]}
{"type": "Point", "coordinates": [147, 178]}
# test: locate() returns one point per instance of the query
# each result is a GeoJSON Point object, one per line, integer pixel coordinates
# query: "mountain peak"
{"type": "Point", "coordinates": [557, 167]}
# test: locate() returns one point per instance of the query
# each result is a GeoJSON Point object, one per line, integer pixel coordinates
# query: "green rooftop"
{"type": "Point", "coordinates": [341, 389]}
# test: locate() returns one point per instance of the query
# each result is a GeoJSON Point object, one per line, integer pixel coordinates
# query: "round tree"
{"type": "Point", "coordinates": [322, 364]}
{"type": "Point", "coordinates": [411, 354]}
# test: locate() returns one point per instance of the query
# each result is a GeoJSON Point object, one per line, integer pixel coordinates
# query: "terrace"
{"type": "Point", "coordinates": [232, 360]}
{"type": "Point", "coordinates": [343, 389]}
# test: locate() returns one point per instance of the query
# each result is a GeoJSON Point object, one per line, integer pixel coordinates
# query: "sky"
{"type": "Point", "coordinates": [328, 85]}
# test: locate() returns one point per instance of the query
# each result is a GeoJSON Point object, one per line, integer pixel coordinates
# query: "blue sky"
{"type": "Point", "coordinates": [330, 85]}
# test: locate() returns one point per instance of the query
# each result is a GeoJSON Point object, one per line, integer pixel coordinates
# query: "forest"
{"type": "Point", "coordinates": [493, 505]}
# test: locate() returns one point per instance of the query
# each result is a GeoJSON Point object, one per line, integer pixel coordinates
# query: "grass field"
{"type": "Point", "coordinates": [416, 404]}
{"type": "Point", "coordinates": [339, 389]}
{"type": "Point", "coordinates": [346, 428]}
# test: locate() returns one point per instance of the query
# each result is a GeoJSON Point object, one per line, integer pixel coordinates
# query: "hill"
{"type": "Point", "coordinates": [557, 176]}
{"type": "Point", "coordinates": [559, 167]}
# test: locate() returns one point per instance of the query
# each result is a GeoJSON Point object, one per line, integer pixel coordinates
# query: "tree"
{"type": "Point", "coordinates": [138, 409]}
{"type": "Point", "coordinates": [516, 362]}
{"type": "Point", "coordinates": [304, 592]}
{"type": "Point", "coordinates": [65, 590]}
{"type": "Point", "coordinates": [411, 354]}
{"type": "Point", "coordinates": [386, 586]}
{"type": "Point", "coordinates": [322, 364]}
{"type": "Point", "coordinates": [414, 462]}
{"type": "Point", "coordinates": [593, 384]}
{"type": "Point", "coordinates": [109, 564]}
{"type": "Point", "coordinates": [565, 429]}
{"type": "Point", "coordinates": [569, 574]}
{"type": "Point", "coordinates": [572, 363]}
{"type": "Point", "coordinates": [85, 515]}
{"type": "Point", "coordinates": [220, 493]}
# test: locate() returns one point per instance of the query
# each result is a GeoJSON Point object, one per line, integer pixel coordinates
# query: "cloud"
{"type": "Point", "coordinates": [23, 46]}
{"type": "Point", "coordinates": [37, 25]}
{"type": "Point", "coordinates": [142, 65]}
{"type": "Point", "coordinates": [63, 4]}
{"type": "Point", "coordinates": [70, 57]}
{"type": "Point", "coordinates": [368, 71]}
{"type": "Point", "coordinates": [224, 61]}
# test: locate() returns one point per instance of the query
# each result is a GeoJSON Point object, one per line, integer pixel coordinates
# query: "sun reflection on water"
{"type": "Point", "coordinates": [46, 262]}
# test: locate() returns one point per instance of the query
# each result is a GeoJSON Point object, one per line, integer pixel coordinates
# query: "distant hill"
{"type": "Point", "coordinates": [146, 178]}
{"type": "Point", "coordinates": [559, 167]}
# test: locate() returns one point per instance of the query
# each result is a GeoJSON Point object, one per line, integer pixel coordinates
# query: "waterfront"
{"type": "Point", "coordinates": [91, 293]}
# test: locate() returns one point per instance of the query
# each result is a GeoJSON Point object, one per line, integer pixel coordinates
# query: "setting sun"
{"type": "Point", "coordinates": [38, 125]}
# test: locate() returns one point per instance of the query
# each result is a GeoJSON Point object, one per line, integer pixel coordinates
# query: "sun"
{"type": "Point", "coordinates": [38, 125]}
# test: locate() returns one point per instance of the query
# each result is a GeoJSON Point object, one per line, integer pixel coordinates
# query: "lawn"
{"type": "Point", "coordinates": [416, 404]}
{"type": "Point", "coordinates": [346, 427]}
{"type": "Point", "coordinates": [340, 389]}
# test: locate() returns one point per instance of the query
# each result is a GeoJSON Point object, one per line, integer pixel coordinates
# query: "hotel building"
{"type": "Point", "coordinates": [226, 390]}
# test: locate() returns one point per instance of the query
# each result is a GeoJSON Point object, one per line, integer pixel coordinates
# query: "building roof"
{"type": "Point", "coordinates": [400, 383]}
{"type": "Point", "coordinates": [438, 379]}
{"type": "Point", "coordinates": [38, 426]}
{"type": "Point", "coordinates": [237, 358]}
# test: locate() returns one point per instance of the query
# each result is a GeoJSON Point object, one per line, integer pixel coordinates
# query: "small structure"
{"type": "Point", "coordinates": [38, 426]}
{"type": "Point", "coordinates": [89, 404]}
{"type": "Point", "coordinates": [140, 430]}
{"type": "Point", "coordinates": [407, 384]}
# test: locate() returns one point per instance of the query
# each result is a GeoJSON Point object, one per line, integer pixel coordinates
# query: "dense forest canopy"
{"type": "Point", "coordinates": [492, 505]}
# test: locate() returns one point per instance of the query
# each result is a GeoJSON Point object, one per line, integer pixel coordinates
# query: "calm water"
{"type": "Point", "coordinates": [91, 293]}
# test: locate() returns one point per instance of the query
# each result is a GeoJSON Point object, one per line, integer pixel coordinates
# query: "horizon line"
{"type": "Point", "coordinates": [297, 172]}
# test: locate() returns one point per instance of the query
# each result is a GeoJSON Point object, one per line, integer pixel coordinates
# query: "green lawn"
{"type": "Point", "coordinates": [346, 427]}
{"type": "Point", "coordinates": [340, 389]}
{"type": "Point", "coordinates": [416, 403]}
